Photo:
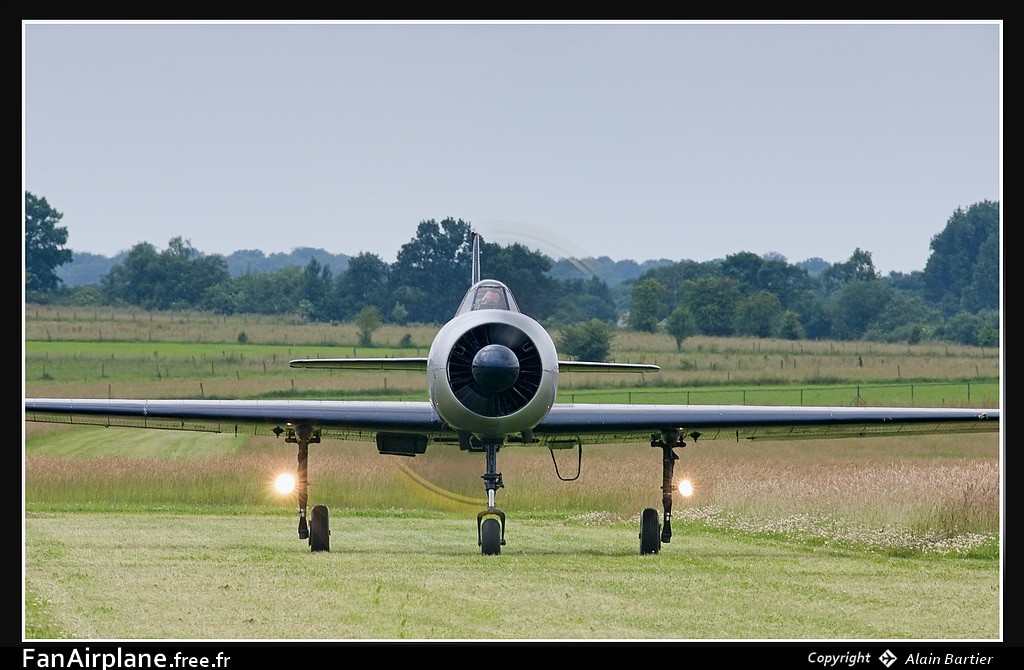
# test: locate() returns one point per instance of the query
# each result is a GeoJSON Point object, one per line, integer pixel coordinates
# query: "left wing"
{"type": "Point", "coordinates": [583, 423]}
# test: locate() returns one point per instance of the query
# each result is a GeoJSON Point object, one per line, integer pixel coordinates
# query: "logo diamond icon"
{"type": "Point", "coordinates": [887, 658]}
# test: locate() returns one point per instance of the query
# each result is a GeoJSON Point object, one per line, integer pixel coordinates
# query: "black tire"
{"type": "Point", "coordinates": [650, 533]}
{"type": "Point", "coordinates": [490, 537]}
{"type": "Point", "coordinates": [319, 529]}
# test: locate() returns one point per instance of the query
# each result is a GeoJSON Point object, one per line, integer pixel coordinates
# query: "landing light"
{"type": "Point", "coordinates": [686, 488]}
{"type": "Point", "coordinates": [284, 483]}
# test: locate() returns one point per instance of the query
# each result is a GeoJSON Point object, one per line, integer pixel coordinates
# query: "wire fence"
{"type": "Point", "coordinates": [938, 393]}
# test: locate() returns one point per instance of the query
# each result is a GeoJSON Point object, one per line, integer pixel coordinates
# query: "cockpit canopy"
{"type": "Point", "coordinates": [488, 294]}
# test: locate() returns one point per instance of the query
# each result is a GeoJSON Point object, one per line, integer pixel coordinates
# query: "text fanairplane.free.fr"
{"type": "Point", "coordinates": [492, 374]}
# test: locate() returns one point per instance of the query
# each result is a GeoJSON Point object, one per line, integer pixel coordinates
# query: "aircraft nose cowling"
{"type": "Point", "coordinates": [495, 368]}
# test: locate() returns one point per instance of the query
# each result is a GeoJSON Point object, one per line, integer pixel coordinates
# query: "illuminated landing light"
{"type": "Point", "coordinates": [284, 483]}
{"type": "Point", "coordinates": [686, 488]}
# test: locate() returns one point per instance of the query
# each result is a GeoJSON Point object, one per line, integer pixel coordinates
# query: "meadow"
{"type": "Point", "coordinates": [881, 538]}
{"type": "Point", "coordinates": [127, 353]}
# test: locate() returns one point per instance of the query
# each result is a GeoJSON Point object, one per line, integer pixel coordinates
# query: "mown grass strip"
{"type": "Point", "coordinates": [158, 576]}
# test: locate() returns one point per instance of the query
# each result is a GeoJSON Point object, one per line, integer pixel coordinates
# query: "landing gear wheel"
{"type": "Point", "coordinates": [319, 530]}
{"type": "Point", "coordinates": [650, 534]}
{"type": "Point", "coordinates": [490, 537]}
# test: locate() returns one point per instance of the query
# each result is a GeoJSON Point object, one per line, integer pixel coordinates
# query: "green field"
{"type": "Point", "coordinates": [153, 575]}
{"type": "Point", "coordinates": [168, 535]}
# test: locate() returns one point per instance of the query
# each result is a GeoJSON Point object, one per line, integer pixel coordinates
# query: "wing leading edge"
{"type": "Point", "coordinates": [580, 423]}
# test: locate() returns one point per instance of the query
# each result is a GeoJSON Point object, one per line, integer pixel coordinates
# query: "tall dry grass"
{"type": "Point", "coordinates": [899, 494]}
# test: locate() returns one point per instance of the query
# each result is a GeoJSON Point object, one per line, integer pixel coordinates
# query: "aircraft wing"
{"type": "Point", "coordinates": [340, 419]}
{"type": "Point", "coordinates": [566, 423]}
{"type": "Point", "coordinates": [420, 364]}
{"type": "Point", "coordinates": [412, 363]}
{"type": "Point", "coordinates": [597, 366]}
{"type": "Point", "coordinates": [624, 423]}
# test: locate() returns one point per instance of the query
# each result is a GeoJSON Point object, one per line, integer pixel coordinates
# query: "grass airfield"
{"type": "Point", "coordinates": [159, 535]}
{"type": "Point", "coordinates": [141, 576]}
{"type": "Point", "coordinates": [177, 536]}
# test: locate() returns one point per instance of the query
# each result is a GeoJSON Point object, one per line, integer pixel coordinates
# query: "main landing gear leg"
{"type": "Point", "coordinates": [490, 523]}
{"type": "Point", "coordinates": [650, 542]}
{"type": "Point", "coordinates": [319, 538]}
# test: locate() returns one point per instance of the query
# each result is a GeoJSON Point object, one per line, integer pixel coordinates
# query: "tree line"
{"type": "Point", "coordinates": [954, 298]}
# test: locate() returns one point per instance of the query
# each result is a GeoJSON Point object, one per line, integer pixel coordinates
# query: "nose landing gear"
{"type": "Point", "coordinates": [490, 523]}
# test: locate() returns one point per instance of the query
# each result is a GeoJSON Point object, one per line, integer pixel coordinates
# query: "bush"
{"type": "Point", "coordinates": [587, 341]}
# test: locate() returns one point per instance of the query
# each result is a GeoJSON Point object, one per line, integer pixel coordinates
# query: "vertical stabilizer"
{"type": "Point", "coordinates": [476, 258]}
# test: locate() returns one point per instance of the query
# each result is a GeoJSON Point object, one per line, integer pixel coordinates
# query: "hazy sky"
{"type": "Point", "coordinates": [627, 140]}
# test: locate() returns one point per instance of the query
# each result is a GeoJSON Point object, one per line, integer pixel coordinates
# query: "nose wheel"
{"type": "Point", "coordinates": [490, 523]}
{"type": "Point", "coordinates": [490, 531]}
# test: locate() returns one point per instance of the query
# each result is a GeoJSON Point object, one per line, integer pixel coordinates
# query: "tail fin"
{"type": "Point", "coordinates": [476, 258]}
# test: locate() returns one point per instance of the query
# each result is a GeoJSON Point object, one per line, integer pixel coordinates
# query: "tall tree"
{"type": "Point", "coordinates": [317, 280]}
{"type": "Point", "coordinates": [646, 308]}
{"type": "Point", "coordinates": [786, 281]}
{"type": "Point", "coordinates": [906, 317]}
{"type": "Point", "coordinates": [525, 272]}
{"type": "Point", "coordinates": [744, 267]}
{"type": "Point", "coordinates": [432, 272]}
{"type": "Point", "coordinates": [367, 321]}
{"type": "Point", "coordinates": [713, 302]}
{"type": "Point", "coordinates": [44, 245]}
{"type": "Point", "coordinates": [859, 267]}
{"type": "Point", "coordinates": [759, 314]}
{"type": "Point", "coordinates": [277, 292]}
{"type": "Point", "coordinates": [856, 305]}
{"type": "Point", "coordinates": [680, 325]}
{"type": "Point", "coordinates": [982, 292]}
{"type": "Point", "coordinates": [581, 300]}
{"type": "Point", "coordinates": [962, 271]}
{"type": "Point", "coordinates": [673, 276]}
{"type": "Point", "coordinates": [176, 278]}
{"type": "Point", "coordinates": [133, 281]}
{"type": "Point", "coordinates": [365, 282]}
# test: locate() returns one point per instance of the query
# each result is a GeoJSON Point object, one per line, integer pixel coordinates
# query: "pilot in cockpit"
{"type": "Point", "coordinates": [490, 298]}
